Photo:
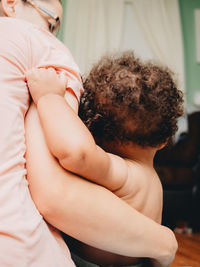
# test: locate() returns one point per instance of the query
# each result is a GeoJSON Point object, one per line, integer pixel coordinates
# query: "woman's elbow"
{"type": "Point", "coordinates": [44, 204]}
{"type": "Point", "coordinates": [44, 194]}
{"type": "Point", "coordinates": [60, 199]}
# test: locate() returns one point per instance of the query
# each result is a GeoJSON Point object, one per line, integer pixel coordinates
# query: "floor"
{"type": "Point", "coordinates": [188, 254]}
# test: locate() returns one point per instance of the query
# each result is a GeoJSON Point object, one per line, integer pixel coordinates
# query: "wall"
{"type": "Point", "coordinates": [192, 68]}
{"type": "Point", "coordinates": [61, 32]}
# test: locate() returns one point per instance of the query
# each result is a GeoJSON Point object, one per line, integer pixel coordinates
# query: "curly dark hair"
{"type": "Point", "coordinates": [126, 100]}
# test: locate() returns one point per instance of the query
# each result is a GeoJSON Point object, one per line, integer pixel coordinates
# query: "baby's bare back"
{"type": "Point", "coordinates": [143, 191]}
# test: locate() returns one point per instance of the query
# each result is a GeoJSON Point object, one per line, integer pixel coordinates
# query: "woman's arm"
{"type": "Point", "coordinates": [88, 212]}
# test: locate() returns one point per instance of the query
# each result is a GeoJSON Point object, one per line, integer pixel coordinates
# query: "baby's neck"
{"type": "Point", "coordinates": [133, 152]}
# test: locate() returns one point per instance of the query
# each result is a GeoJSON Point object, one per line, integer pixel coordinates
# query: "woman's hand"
{"type": "Point", "coordinates": [45, 81]}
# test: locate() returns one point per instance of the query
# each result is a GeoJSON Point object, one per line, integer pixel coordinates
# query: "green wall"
{"type": "Point", "coordinates": [192, 68]}
{"type": "Point", "coordinates": [61, 32]}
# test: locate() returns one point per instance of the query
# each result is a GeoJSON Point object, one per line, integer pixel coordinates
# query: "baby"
{"type": "Point", "coordinates": [131, 109]}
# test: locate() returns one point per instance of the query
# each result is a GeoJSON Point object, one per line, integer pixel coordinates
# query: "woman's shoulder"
{"type": "Point", "coordinates": [14, 24]}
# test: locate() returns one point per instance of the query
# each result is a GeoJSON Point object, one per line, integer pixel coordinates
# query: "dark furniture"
{"type": "Point", "coordinates": [178, 167]}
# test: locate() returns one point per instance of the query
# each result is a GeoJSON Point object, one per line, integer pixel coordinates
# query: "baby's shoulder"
{"type": "Point", "coordinates": [147, 190]}
{"type": "Point", "coordinates": [138, 171]}
{"type": "Point", "coordinates": [133, 180]}
{"type": "Point", "coordinates": [144, 177]}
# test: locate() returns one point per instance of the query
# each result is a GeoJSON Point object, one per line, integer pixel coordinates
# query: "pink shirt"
{"type": "Point", "coordinates": [25, 239]}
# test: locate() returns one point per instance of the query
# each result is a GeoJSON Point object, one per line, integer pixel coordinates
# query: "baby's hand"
{"type": "Point", "coordinates": [45, 81]}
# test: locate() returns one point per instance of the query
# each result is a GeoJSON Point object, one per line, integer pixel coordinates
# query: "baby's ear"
{"type": "Point", "coordinates": [163, 145]}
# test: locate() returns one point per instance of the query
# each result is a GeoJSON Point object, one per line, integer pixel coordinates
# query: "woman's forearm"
{"type": "Point", "coordinates": [95, 216]}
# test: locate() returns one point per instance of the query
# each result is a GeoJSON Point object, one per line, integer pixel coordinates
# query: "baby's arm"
{"type": "Point", "coordinates": [71, 142]}
{"type": "Point", "coordinates": [68, 138]}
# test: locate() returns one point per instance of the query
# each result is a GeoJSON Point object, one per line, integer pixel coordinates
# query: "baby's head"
{"type": "Point", "coordinates": [126, 101]}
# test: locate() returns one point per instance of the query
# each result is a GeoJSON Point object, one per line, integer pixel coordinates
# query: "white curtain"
{"type": "Point", "coordinates": [96, 27]}
{"type": "Point", "coordinates": [132, 36]}
{"type": "Point", "coordinates": [93, 28]}
{"type": "Point", "coordinates": [159, 21]}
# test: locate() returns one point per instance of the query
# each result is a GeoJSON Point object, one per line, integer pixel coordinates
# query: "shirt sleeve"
{"type": "Point", "coordinates": [47, 51]}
